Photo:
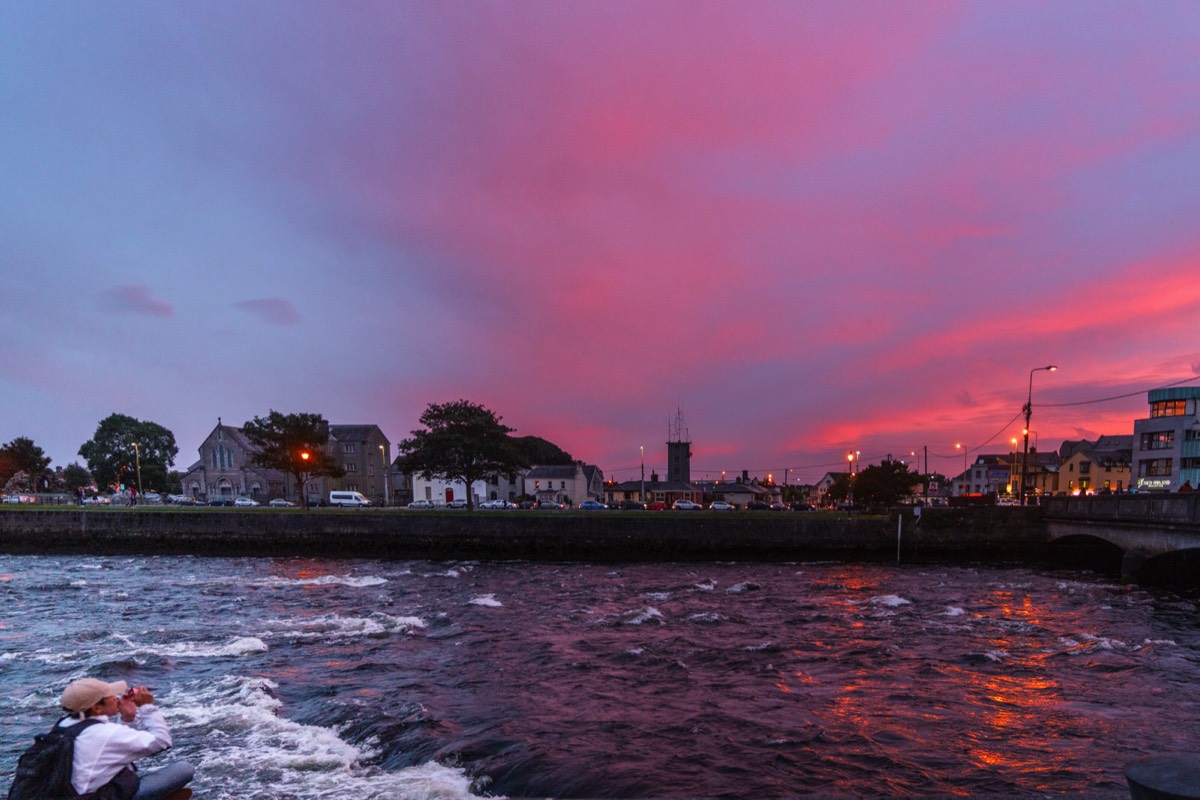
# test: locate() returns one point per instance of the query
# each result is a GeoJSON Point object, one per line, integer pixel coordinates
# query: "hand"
{"type": "Point", "coordinates": [140, 695]}
{"type": "Point", "coordinates": [127, 707]}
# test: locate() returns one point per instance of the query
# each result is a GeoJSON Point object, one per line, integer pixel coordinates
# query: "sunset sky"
{"type": "Point", "coordinates": [812, 227]}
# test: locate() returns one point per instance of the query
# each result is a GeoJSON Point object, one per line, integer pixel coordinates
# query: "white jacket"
{"type": "Point", "coordinates": [101, 751]}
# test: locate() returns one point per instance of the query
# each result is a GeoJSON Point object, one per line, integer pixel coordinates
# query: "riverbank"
{"type": "Point", "coordinates": [1005, 534]}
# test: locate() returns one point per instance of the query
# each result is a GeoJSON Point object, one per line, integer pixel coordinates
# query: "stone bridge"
{"type": "Point", "coordinates": [1152, 538]}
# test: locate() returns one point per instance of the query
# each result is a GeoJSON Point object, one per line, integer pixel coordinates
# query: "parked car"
{"type": "Point", "coordinates": [245, 502]}
{"type": "Point", "coordinates": [630, 505]}
{"type": "Point", "coordinates": [721, 505]}
{"type": "Point", "coordinates": [757, 505]}
{"type": "Point", "coordinates": [221, 501]}
{"type": "Point", "coordinates": [151, 499]}
{"type": "Point", "coordinates": [777, 506]}
{"type": "Point", "coordinates": [798, 506]}
{"type": "Point", "coordinates": [497, 504]}
{"type": "Point", "coordinates": [686, 505]}
{"type": "Point", "coordinates": [420, 504]}
{"type": "Point", "coordinates": [279, 502]}
{"type": "Point", "coordinates": [18, 498]}
{"type": "Point", "coordinates": [657, 505]}
{"type": "Point", "coordinates": [592, 505]}
{"type": "Point", "coordinates": [457, 503]}
{"type": "Point", "coordinates": [549, 505]}
{"type": "Point", "coordinates": [97, 500]}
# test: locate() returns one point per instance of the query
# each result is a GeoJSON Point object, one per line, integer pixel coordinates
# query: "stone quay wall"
{"type": "Point", "coordinates": [1004, 534]}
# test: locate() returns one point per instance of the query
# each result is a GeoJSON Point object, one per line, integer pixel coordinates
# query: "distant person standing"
{"type": "Point", "coordinates": [1187, 487]}
{"type": "Point", "coordinates": [105, 752]}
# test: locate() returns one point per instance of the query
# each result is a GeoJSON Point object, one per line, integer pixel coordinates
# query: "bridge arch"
{"type": "Point", "coordinates": [1087, 551]}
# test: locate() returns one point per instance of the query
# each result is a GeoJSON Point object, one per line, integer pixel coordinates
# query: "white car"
{"type": "Point", "coordinates": [245, 502]}
{"type": "Point", "coordinates": [686, 505]}
{"type": "Point", "coordinates": [720, 505]}
{"type": "Point", "coordinates": [421, 504]}
{"type": "Point", "coordinates": [493, 504]}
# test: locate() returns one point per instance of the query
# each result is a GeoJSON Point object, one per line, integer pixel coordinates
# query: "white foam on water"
{"type": "Point", "coordinates": [706, 586]}
{"type": "Point", "coordinates": [239, 646]}
{"type": "Point", "coordinates": [336, 626]}
{"type": "Point", "coordinates": [890, 601]}
{"type": "Point", "coordinates": [953, 611]}
{"type": "Point", "coordinates": [658, 597]}
{"type": "Point", "coordinates": [643, 615]}
{"type": "Point", "coordinates": [710, 616]}
{"type": "Point", "coordinates": [744, 586]}
{"type": "Point", "coordinates": [232, 732]}
{"type": "Point", "coordinates": [488, 600]}
{"type": "Point", "coordinates": [323, 580]}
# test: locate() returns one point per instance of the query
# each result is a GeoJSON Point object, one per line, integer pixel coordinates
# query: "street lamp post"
{"type": "Point", "coordinates": [1029, 413]}
{"type": "Point", "coordinates": [304, 456]}
{"type": "Point", "coordinates": [137, 460]}
{"type": "Point", "coordinates": [642, 494]}
{"type": "Point", "coordinates": [386, 493]}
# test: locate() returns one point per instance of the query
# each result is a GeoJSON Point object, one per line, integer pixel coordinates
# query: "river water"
{"type": "Point", "coordinates": [291, 678]}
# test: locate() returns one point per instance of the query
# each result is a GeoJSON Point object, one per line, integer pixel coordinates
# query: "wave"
{"type": "Point", "coordinates": [488, 600]}
{"type": "Point", "coordinates": [336, 626]}
{"type": "Point", "coordinates": [232, 731]}
{"type": "Point", "coordinates": [644, 615]}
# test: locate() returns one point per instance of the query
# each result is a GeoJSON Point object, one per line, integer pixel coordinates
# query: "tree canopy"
{"type": "Point", "coordinates": [122, 445]}
{"type": "Point", "coordinates": [22, 455]}
{"type": "Point", "coordinates": [295, 444]}
{"type": "Point", "coordinates": [884, 484]}
{"type": "Point", "coordinates": [461, 441]}
{"type": "Point", "coordinates": [537, 450]}
{"type": "Point", "coordinates": [76, 477]}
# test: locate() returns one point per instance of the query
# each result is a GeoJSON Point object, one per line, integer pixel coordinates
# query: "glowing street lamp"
{"type": "Point", "coordinates": [304, 456]}
{"type": "Point", "coordinates": [1029, 413]}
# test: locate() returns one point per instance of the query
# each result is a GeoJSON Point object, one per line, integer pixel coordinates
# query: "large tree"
{"type": "Point", "coordinates": [461, 441]}
{"type": "Point", "coordinates": [537, 450]}
{"type": "Point", "coordinates": [22, 455]}
{"type": "Point", "coordinates": [123, 447]}
{"type": "Point", "coordinates": [295, 444]}
{"type": "Point", "coordinates": [884, 484]}
{"type": "Point", "coordinates": [76, 477]}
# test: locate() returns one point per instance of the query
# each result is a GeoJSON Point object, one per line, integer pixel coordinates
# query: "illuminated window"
{"type": "Point", "coordinates": [1168, 408]}
{"type": "Point", "coordinates": [1162, 440]}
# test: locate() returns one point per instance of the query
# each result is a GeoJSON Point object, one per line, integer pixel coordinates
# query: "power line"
{"type": "Point", "coordinates": [1114, 397]}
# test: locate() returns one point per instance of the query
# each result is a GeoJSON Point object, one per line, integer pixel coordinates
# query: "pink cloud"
{"type": "Point", "coordinates": [132, 298]}
{"type": "Point", "coordinates": [271, 310]}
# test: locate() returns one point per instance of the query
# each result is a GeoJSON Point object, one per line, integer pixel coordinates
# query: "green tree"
{"type": "Point", "coordinates": [122, 446]}
{"type": "Point", "coordinates": [839, 490]}
{"type": "Point", "coordinates": [537, 450]}
{"type": "Point", "coordinates": [295, 444]}
{"type": "Point", "coordinates": [76, 477]}
{"type": "Point", "coordinates": [22, 455]}
{"type": "Point", "coordinates": [461, 441]}
{"type": "Point", "coordinates": [884, 484]}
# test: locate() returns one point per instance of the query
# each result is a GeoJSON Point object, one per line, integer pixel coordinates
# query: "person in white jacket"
{"type": "Point", "coordinates": [130, 727]}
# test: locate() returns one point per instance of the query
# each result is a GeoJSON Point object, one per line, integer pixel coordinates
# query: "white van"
{"type": "Point", "coordinates": [348, 500]}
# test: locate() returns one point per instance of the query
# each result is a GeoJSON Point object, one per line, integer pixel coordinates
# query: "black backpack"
{"type": "Point", "coordinates": [44, 770]}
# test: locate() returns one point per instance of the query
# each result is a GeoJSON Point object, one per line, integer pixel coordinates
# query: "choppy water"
{"type": "Point", "coordinates": [369, 679]}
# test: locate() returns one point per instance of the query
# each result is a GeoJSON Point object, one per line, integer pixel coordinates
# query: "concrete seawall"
{"type": "Point", "coordinates": [966, 534]}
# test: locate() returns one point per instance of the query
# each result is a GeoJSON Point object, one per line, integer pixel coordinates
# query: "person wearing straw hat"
{"type": "Point", "coordinates": [105, 752]}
